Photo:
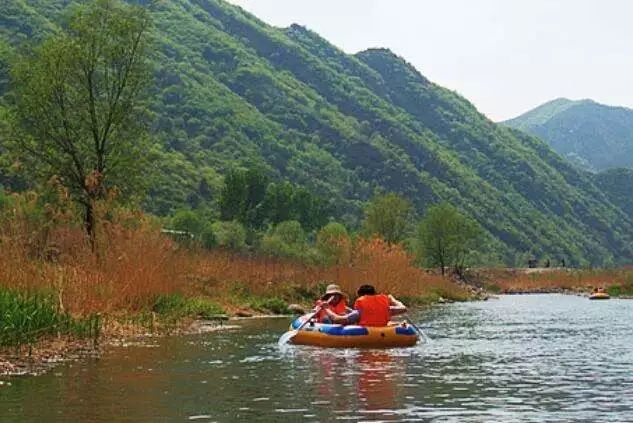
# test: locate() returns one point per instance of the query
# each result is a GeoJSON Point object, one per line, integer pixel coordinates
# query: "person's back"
{"type": "Point", "coordinates": [373, 309]}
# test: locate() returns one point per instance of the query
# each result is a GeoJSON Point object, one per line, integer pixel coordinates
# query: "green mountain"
{"type": "Point", "coordinates": [231, 90]}
{"type": "Point", "coordinates": [617, 184]}
{"type": "Point", "coordinates": [591, 135]}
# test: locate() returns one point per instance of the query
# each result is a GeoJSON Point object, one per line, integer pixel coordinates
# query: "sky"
{"type": "Point", "coordinates": [505, 56]}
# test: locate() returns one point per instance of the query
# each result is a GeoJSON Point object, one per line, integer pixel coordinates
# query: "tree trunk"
{"type": "Point", "coordinates": [90, 223]}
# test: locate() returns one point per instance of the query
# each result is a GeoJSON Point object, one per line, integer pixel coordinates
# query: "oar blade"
{"type": "Point", "coordinates": [286, 337]}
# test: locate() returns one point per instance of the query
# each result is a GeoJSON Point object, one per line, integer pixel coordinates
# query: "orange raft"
{"type": "Point", "coordinates": [353, 336]}
{"type": "Point", "coordinates": [600, 295]}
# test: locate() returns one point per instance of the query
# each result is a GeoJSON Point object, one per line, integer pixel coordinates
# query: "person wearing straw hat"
{"type": "Point", "coordinates": [335, 300]}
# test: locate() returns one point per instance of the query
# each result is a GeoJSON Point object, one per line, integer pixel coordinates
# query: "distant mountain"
{"type": "Point", "coordinates": [231, 90]}
{"type": "Point", "coordinates": [591, 135]}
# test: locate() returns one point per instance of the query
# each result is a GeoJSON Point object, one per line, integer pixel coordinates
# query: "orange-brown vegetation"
{"type": "Point", "coordinates": [389, 267]}
{"type": "Point", "coordinates": [537, 280]}
{"type": "Point", "coordinates": [43, 249]}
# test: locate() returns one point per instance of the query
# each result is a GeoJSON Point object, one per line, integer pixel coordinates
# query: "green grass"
{"type": "Point", "coordinates": [626, 289]}
{"type": "Point", "coordinates": [26, 318]}
{"type": "Point", "coordinates": [174, 307]}
{"type": "Point", "coordinates": [275, 305]}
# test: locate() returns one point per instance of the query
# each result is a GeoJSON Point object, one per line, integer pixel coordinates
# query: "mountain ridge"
{"type": "Point", "coordinates": [593, 136]}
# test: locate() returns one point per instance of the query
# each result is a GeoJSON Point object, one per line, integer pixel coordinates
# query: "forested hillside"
{"type": "Point", "coordinates": [232, 91]}
{"type": "Point", "coordinates": [591, 135]}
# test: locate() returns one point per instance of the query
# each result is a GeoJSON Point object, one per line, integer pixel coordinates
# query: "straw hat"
{"type": "Point", "coordinates": [331, 290]}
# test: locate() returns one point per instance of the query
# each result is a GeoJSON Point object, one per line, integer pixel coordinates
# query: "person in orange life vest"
{"type": "Point", "coordinates": [335, 299]}
{"type": "Point", "coordinates": [370, 309]}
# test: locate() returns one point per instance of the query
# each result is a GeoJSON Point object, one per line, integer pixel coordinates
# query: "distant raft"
{"type": "Point", "coordinates": [353, 336]}
{"type": "Point", "coordinates": [599, 296]}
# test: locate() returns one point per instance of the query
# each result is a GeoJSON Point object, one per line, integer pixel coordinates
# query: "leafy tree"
{"type": "Point", "coordinates": [389, 216]}
{"type": "Point", "coordinates": [77, 104]}
{"type": "Point", "coordinates": [230, 235]}
{"type": "Point", "coordinates": [188, 221]}
{"type": "Point", "coordinates": [287, 240]}
{"type": "Point", "coordinates": [242, 196]}
{"type": "Point", "coordinates": [445, 237]}
{"type": "Point", "coordinates": [311, 211]}
{"type": "Point", "coordinates": [333, 243]}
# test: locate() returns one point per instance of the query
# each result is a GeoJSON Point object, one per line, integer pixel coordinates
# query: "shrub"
{"type": "Point", "coordinates": [176, 306]}
{"type": "Point", "coordinates": [286, 240]}
{"type": "Point", "coordinates": [333, 243]}
{"type": "Point", "coordinates": [188, 221]}
{"type": "Point", "coordinates": [208, 238]}
{"type": "Point", "coordinates": [230, 235]}
{"type": "Point", "coordinates": [273, 304]}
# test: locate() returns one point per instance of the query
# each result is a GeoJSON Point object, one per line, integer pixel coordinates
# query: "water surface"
{"type": "Point", "coordinates": [519, 358]}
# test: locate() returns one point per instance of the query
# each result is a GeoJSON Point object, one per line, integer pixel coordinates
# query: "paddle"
{"type": "Point", "coordinates": [292, 333]}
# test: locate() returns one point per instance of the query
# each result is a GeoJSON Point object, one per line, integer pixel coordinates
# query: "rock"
{"type": "Point", "coordinates": [243, 313]}
{"type": "Point", "coordinates": [296, 309]}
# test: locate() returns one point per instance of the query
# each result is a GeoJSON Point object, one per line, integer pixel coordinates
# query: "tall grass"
{"type": "Point", "coordinates": [24, 318]}
{"type": "Point", "coordinates": [388, 267]}
{"type": "Point", "coordinates": [568, 279]}
{"type": "Point", "coordinates": [135, 269]}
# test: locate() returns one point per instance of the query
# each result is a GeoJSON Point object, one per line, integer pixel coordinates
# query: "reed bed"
{"type": "Point", "coordinates": [527, 280]}
{"type": "Point", "coordinates": [50, 272]}
{"type": "Point", "coordinates": [388, 267]}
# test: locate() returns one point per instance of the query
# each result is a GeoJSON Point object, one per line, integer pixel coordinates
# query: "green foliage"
{"type": "Point", "coordinates": [188, 221]}
{"type": "Point", "coordinates": [231, 92]}
{"type": "Point", "coordinates": [446, 237]}
{"type": "Point", "coordinates": [617, 184]}
{"type": "Point", "coordinates": [25, 318]}
{"type": "Point", "coordinates": [208, 238]}
{"type": "Point", "coordinates": [242, 197]}
{"type": "Point", "coordinates": [76, 104]}
{"type": "Point", "coordinates": [286, 240]}
{"type": "Point", "coordinates": [591, 135]}
{"type": "Point", "coordinates": [174, 307]}
{"type": "Point", "coordinates": [274, 304]}
{"type": "Point", "coordinates": [230, 235]}
{"type": "Point", "coordinates": [248, 198]}
{"type": "Point", "coordinates": [333, 243]}
{"type": "Point", "coordinates": [389, 216]}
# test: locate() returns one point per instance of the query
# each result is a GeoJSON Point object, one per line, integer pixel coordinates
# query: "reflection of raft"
{"type": "Point", "coordinates": [352, 336]}
{"type": "Point", "coordinates": [599, 296]}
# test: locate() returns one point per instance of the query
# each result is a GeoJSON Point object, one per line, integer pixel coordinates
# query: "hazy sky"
{"type": "Point", "coordinates": [506, 56]}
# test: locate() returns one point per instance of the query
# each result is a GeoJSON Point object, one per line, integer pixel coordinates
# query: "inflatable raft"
{"type": "Point", "coordinates": [599, 296]}
{"type": "Point", "coordinates": [353, 336]}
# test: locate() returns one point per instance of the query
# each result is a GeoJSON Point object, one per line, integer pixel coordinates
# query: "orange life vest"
{"type": "Point", "coordinates": [340, 308]}
{"type": "Point", "coordinates": [373, 309]}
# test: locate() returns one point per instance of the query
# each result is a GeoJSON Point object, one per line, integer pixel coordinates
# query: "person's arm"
{"type": "Point", "coordinates": [351, 317]}
{"type": "Point", "coordinates": [396, 307]}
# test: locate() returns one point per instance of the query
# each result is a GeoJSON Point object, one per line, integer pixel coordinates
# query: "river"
{"type": "Point", "coordinates": [519, 358]}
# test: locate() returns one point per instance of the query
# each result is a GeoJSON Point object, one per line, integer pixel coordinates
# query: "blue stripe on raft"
{"type": "Point", "coordinates": [339, 330]}
{"type": "Point", "coordinates": [405, 331]}
{"type": "Point", "coordinates": [296, 323]}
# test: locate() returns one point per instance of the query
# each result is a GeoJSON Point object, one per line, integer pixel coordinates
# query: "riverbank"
{"type": "Point", "coordinates": [617, 282]}
{"type": "Point", "coordinates": [46, 352]}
